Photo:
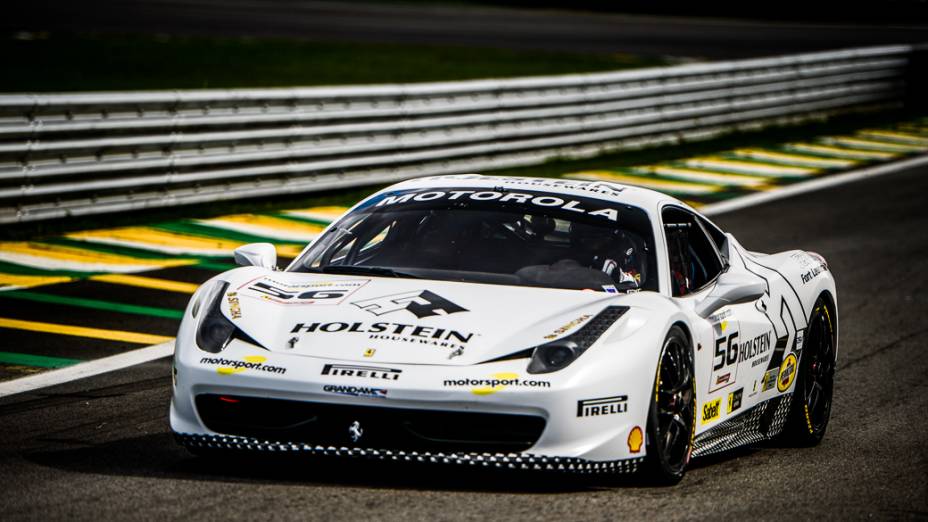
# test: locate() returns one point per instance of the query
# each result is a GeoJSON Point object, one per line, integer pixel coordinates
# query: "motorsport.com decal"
{"type": "Point", "coordinates": [399, 332]}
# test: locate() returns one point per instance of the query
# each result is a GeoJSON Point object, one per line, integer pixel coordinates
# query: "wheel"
{"type": "Point", "coordinates": [672, 416]}
{"type": "Point", "coordinates": [811, 407]}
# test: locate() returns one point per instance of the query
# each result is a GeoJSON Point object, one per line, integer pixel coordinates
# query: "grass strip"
{"type": "Point", "coordinates": [37, 361]}
{"type": "Point", "coordinates": [93, 303]}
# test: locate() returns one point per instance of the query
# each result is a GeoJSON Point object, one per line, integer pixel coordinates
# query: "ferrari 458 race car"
{"type": "Point", "coordinates": [524, 323]}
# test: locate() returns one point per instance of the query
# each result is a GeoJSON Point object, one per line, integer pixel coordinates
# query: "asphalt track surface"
{"type": "Point", "coordinates": [100, 448]}
{"type": "Point", "coordinates": [420, 23]}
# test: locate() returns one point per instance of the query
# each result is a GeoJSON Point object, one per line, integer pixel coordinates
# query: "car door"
{"type": "Point", "coordinates": [731, 340]}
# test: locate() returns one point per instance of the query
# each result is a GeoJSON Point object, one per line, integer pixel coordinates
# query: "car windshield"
{"type": "Point", "coordinates": [497, 236]}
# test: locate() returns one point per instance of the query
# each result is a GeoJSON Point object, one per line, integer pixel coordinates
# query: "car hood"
{"type": "Point", "coordinates": [397, 320]}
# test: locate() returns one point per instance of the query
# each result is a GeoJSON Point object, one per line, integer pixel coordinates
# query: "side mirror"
{"type": "Point", "coordinates": [256, 254]}
{"type": "Point", "coordinates": [731, 288]}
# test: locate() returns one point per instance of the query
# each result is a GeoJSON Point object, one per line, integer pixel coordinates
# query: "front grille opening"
{"type": "Point", "coordinates": [381, 428]}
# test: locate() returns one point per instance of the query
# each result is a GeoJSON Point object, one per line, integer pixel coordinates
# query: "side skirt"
{"type": "Point", "coordinates": [762, 422]}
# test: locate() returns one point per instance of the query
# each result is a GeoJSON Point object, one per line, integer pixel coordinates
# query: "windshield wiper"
{"type": "Point", "coordinates": [365, 270]}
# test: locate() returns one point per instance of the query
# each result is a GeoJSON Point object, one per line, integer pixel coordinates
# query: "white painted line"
{"type": "Point", "coordinates": [86, 369]}
{"type": "Point", "coordinates": [811, 185]}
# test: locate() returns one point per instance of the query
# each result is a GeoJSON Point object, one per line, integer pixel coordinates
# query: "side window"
{"type": "Point", "coordinates": [694, 259]}
{"type": "Point", "coordinates": [718, 237]}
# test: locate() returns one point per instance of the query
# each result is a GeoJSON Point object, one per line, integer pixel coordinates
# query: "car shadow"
{"type": "Point", "coordinates": [158, 456]}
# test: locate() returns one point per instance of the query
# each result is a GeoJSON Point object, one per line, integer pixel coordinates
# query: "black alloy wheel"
{"type": "Point", "coordinates": [672, 416]}
{"type": "Point", "coordinates": [812, 398]}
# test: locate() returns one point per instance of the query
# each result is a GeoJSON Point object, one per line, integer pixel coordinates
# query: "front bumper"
{"type": "Point", "coordinates": [570, 441]}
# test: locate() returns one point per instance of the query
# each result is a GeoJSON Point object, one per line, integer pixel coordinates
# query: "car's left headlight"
{"type": "Point", "coordinates": [215, 331]}
{"type": "Point", "coordinates": [559, 354]}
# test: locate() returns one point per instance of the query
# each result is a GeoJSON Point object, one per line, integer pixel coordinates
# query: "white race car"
{"type": "Point", "coordinates": [524, 323]}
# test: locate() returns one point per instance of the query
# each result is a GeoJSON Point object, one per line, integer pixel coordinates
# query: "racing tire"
{"type": "Point", "coordinates": [672, 415]}
{"type": "Point", "coordinates": [812, 397]}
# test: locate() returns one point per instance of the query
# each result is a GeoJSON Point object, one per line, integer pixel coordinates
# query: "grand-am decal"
{"type": "Point", "coordinates": [355, 391]}
{"type": "Point", "coordinates": [250, 362]}
{"type": "Point", "coordinates": [497, 382]}
{"type": "Point", "coordinates": [303, 293]}
{"type": "Point", "coordinates": [711, 411]}
{"type": "Point", "coordinates": [362, 372]}
{"type": "Point", "coordinates": [421, 303]}
{"type": "Point", "coordinates": [539, 200]}
{"type": "Point", "coordinates": [568, 327]}
{"type": "Point", "coordinates": [602, 406]}
{"type": "Point", "coordinates": [787, 373]}
{"type": "Point", "coordinates": [398, 332]}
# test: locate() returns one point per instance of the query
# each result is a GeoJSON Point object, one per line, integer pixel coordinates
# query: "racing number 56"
{"type": "Point", "coordinates": [726, 356]}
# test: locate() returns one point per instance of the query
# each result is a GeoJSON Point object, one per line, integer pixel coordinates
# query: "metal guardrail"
{"type": "Point", "coordinates": [87, 153]}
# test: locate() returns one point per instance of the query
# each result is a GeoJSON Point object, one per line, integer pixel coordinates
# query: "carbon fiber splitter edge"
{"type": "Point", "coordinates": [515, 461]}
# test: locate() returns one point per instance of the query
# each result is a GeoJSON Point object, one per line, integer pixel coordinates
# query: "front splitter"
{"type": "Point", "coordinates": [514, 461]}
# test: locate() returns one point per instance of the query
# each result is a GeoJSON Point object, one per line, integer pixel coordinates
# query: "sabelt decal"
{"type": "Point", "coordinates": [711, 411]}
{"type": "Point", "coordinates": [250, 362]}
{"type": "Point", "coordinates": [734, 400]}
{"type": "Point", "coordinates": [602, 406]}
{"type": "Point", "coordinates": [355, 391]}
{"type": "Point", "coordinates": [787, 373]}
{"type": "Point", "coordinates": [235, 308]}
{"type": "Point", "coordinates": [362, 372]}
{"type": "Point", "coordinates": [497, 382]}
{"type": "Point", "coordinates": [539, 200]}
{"type": "Point", "coordinates": [397, 332]}
{"type": "Point", "coordinates": [568, 327]}
{"type": "Point", "coordinates": [303, 293]}
{"type": "Point", "coordinates": [421, 303]}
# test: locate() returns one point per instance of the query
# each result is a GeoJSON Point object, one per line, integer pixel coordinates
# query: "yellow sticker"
{"type": "Point", "coordinates": [503, 380]}
{"type": "Point", "coordinates": [369, 352]}
{"type": "Point", "coordinates": [787, 373]}
{"type": "Point", "coordinates": [711, 411]}
{"type": "Point", "coordinates": [635, 439]}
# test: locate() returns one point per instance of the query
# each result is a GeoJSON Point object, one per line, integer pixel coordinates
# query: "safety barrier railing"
{"type": "Point", "coordinates": [86, 153]}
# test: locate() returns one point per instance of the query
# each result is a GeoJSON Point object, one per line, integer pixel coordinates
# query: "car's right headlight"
{"type": "Point", "coordinates": [556, 355]}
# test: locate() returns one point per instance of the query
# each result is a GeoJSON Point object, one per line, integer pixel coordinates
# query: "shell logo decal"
{"type": "Point", "coordinates": [635, 439]}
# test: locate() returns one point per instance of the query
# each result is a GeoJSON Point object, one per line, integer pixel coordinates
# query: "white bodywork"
{"type": "Point", "coordinates": [442, 358]}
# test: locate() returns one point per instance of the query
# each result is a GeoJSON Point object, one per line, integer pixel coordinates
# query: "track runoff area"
{"type": "Point", "coordinates": [104, 295]}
